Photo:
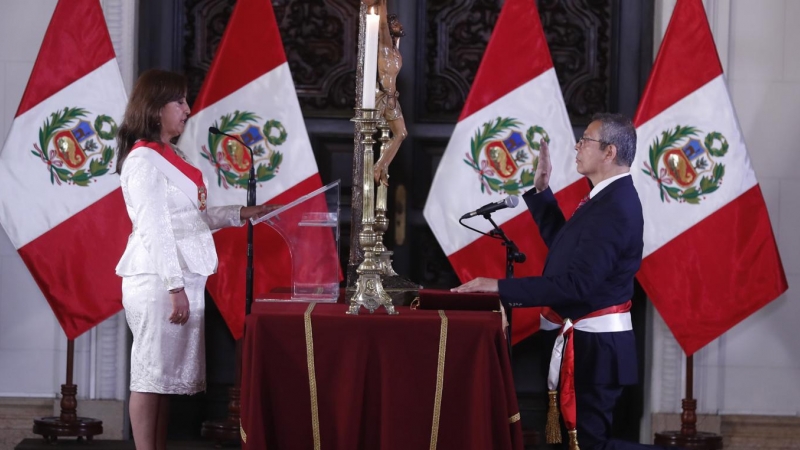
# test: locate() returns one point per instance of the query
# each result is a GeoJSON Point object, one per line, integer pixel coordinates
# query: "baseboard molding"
{"type": "Point", "coordinates": [744, 432]}
{"type": "Point", "coordinates": [741, 432]}
{"type": "Point", "coordinates": [17, 415]}
{"type": "Point", "coordinates": [16, 418]}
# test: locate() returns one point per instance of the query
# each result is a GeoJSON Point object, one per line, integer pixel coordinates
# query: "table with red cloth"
{"type": "Point", "coordinates": [314, 377]}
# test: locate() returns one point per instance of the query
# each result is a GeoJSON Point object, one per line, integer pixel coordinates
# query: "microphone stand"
{"type": "Point", "coordinates": [227, 430]}
{"type": "Point", "coordinates": [251, 201]}
{"type": "Point", "coordinates": [513, 255]}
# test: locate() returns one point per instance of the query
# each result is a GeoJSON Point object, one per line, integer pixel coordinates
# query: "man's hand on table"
{"type": "Point", "coordinates": [479, 284]}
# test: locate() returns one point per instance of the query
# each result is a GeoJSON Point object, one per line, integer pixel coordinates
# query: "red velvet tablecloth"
{"type": "Point", "coordinates": [315, 377]}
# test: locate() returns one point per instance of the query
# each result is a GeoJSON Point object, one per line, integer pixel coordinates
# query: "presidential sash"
{"type": "Point", "coordinates": [186, 177]}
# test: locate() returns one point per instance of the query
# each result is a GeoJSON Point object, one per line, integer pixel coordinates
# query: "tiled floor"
{"type": "Point", "coordinates": [16, 421]}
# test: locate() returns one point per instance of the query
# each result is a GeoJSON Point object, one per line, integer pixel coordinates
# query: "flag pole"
{"type": "Point", "coordinates": [68, 423]}
{"type": "Point", "coordinates": [688, 436]}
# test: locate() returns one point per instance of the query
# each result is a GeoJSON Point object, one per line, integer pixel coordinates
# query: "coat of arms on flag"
{"type": "Point", "coordinates": [232, 161]}
{"type": "Point", "coordinates": [685, 169]}
{"type": "Point", "coordinates": [67, 140]}
{"type": "Point", "coordinates": [504, 159]}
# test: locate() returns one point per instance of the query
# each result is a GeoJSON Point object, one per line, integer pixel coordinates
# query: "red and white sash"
{"type": "Point", "coordinates": [562, 360]}
{"type": "Point", "coordinates": [186, 177]}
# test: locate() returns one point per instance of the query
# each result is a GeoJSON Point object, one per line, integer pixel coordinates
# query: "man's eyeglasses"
{"type": "Point", "coordinates": [583, 140]}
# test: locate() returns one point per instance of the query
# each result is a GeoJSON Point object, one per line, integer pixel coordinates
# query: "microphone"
{"type": "Point", "coordinates": [509, 202]}
{"type": "Point", "coordinates": [251, 182]}
{"type": "Point", "coordinates": [215, 130]}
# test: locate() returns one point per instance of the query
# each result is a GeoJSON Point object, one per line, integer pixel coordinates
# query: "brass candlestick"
{"type": "Point", "coordinates": [383, 254]}
{"type": "Point", "coordinates": [369, 289]}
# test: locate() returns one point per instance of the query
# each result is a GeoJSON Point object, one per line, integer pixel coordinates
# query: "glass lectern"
{"type": "Point", "coordinates": [310, 227]}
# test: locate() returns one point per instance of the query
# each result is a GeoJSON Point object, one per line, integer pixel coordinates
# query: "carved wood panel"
{"type": "Point", "coordinates": [319, 37]}
{"type": "Point", "coordinates": [456, 35]}
{"type": "Point", "coordinates": [578, 33]}
{"type": "Point", "coordinates": [205, 24]}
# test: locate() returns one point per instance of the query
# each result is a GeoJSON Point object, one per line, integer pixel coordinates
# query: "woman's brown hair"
{"type": "Point", "coordinates": [153, 90]}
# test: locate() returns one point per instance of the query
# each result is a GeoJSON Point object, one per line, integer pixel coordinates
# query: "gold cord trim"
{"type": "Point", "coordinates": [437, 402]}
{"type": "Point", "coordinates": [514, 418]}
{"type": "Point", "coordinates": [241, 431]}
{"type": "Point", "coordinates": [312, 377]}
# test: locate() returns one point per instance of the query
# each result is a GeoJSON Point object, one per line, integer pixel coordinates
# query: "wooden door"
{"type": "Point", "coordinates": [602, 51]}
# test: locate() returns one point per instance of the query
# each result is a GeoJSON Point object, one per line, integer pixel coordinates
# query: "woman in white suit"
{"type": "Point", "coordinates": [169, 255]}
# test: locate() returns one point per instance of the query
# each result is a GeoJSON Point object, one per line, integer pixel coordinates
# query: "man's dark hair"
{"type": "Point", "coordinates": [618, 130]}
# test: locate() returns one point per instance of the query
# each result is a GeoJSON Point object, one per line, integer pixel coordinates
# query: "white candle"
{"type": "Point", "coordinates": [370, 60]}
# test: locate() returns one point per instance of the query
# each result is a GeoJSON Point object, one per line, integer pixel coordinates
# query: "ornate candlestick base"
{"type": "Point", "coordinates": [369, 288]}
{"type": "Point", "coordinates": [370, 293]}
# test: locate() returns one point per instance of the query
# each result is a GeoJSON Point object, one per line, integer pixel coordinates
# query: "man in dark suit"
{"type": "Point", "coordinates": [587, 282]}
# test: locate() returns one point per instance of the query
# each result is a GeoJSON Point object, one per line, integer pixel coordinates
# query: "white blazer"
{"type": "Point", "coordinates": [170, 234]}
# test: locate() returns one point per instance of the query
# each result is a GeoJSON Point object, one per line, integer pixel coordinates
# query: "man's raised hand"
{"type": "Point", "coordinates": [541, 180]}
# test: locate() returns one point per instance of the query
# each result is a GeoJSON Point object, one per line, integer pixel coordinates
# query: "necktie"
{"type": "Point", "coordinates": [581, 203]}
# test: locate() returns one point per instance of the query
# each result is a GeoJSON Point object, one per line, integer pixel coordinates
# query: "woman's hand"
{"type": "Point", "coordinates": [180, 307]}
{"type": "Point", "coordinates": [254, 212]}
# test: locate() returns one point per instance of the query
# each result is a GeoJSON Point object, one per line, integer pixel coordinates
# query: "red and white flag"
{"type": "Point", "coordinates": [710, 258]}
{"type": "Point", "coordinates": [248, 92]}
{"type": "Point", "coordinates": [515, 101]}
{"type": "Point", "coordinates": [60, 202]}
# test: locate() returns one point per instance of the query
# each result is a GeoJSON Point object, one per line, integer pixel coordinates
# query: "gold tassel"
{"type": "Point", "coordinates": [573, 440]}
{"type": "Point", "coordinates": [553, 430]}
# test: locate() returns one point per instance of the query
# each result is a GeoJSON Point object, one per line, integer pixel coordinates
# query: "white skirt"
{"type": "Point", "coordinates": [166, 358]}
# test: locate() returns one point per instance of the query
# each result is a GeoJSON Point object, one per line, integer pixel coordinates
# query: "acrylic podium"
{"type": "Point", "coordinates": [310, 227]}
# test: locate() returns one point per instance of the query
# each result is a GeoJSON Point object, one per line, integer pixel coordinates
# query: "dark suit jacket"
{"type": "Point", "coordinates": [592, 260]}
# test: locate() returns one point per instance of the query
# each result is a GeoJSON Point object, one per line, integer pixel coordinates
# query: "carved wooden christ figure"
{"type": "Point", "coordinates": [386, 101]}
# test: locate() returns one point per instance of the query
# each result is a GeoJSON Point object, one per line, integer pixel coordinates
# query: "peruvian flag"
{"type": "Point", "coordinates": [249, 92]}
{"type": "Point", "coordinates": [710, 258]}
{"type": "Point", "coordinates": [60, 202]}
{"type": "Point", "coordinates": [515, 101]}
